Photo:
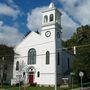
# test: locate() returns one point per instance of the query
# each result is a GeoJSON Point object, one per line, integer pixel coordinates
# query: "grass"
{"type": "Point", "coordinates": [7, 87]}
{"type": "Point", "coordinates": [31, 88]}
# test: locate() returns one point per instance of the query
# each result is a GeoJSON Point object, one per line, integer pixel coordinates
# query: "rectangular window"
{"type": "Point", "coordinates": [38, 74]}
{"type": "Point", "coordinates": [23, 74]}
{"type": "Point", "coordinates": [4, 76]}
{"type": "Point", "coordinates": [68, 63]}
{"type": "Point", "coordinates": [58, 58]}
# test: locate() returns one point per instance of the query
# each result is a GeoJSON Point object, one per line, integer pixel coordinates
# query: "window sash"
{"type": "Point", "coordinates": [32, 56]}
{"type": "Point", "coordinates": [47, 57]}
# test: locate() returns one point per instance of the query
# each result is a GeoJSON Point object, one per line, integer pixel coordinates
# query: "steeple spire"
{"type": "Point", "coordinates": [51, 5]}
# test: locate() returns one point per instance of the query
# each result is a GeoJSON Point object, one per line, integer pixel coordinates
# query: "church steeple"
{"type": "Point", "coordinates": [51, 16]}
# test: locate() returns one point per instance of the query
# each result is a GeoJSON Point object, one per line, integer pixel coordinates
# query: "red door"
{"type": "Point", "coordinates": [31, 78]}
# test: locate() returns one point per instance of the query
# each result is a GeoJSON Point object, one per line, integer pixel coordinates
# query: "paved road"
{"type": "Point", "coordinates": [88, 88]}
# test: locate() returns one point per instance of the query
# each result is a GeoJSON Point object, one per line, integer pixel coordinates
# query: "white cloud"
{"type": "Point", "coordinates": [68, 26]}
{"type": "Point", "coordinates": [9, 11]}
{"type": "Point", "coordinates": [79, 9]}
{"type": "Point", "coordinates": [1, 23]}
{"type": "Point", "coordinates": [34, 19]}
{"type": "Point", "coordinates": [12, 4]}
{"type": "Point", "coordinates": [10, 35]}
{"type": "Point", "coordinates": [34, 22]}
{"type": "Point", "coordinates": [10, 1]}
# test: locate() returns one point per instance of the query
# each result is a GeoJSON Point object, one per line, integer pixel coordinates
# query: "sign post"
{"type": "Point", "coordinates": [72, 74]}
{"type": "Point", "coordinates": [81, 74]}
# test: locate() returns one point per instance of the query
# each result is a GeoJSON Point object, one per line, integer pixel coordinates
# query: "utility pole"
{"type": "Point", "coordinates": [55, 72]}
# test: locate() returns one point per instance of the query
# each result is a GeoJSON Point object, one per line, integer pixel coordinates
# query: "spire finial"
{"type": "Point", "coordinates": [51, 5]}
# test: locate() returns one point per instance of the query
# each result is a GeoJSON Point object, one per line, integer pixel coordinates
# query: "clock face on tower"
{"type": "Point", "coordinates": [47, 33]}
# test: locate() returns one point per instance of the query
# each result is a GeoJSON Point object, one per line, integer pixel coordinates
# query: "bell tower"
{"type": "Point", "coordinates": [52, 36]}
{"type": "Point", "coordinates": [51, 32]}
{"type": "Point", "coordinates": [51, 23]}
{"type": "Point", "coordinates": [51, 16]}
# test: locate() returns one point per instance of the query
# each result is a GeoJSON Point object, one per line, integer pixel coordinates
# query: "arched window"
{"type": "Point", "coordinates": [47, 57]}
{"type": "Point", "coordinates": [17, 65]}
{"type": "Point", "coordinates": [38, 74]}
{"type": "Point", "coordinates": [51, 17]}
{"type": "Point", "coordinates": [45, 18]}
{"type": "Point", "coordinates": [32, 56]}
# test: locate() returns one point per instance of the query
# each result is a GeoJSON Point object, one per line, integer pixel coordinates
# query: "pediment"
{"type": "Point", "coordinates": [29, 40]}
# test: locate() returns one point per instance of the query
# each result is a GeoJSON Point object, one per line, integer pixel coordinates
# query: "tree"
{"type": "Point", "coordinates": [81, 39]}
{"type": "Point", "coordinates": [6, 54]}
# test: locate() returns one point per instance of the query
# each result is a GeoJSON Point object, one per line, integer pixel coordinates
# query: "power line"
{"type": "Point", "coordinates": [26, 56]}
{"type": "Point", "coordinates": [18, 55]}
{"type": "Point", "coordinates": [31, 45]}
{"type": "Point", "coordinates": [43, 54]}
{"type": "Point", "coordinates": [83, 45]}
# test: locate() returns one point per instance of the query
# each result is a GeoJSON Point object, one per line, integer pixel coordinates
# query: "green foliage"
{"type": "Point", "coordinates": [71, 42]}
{"type": "Point", "coordinates": [6, 51]}
{"type": "Point", "coordinates": [81, 39]}
{"type": "Point", "coordinates": [6, 55]}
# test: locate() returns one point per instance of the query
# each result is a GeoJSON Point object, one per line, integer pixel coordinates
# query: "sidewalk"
{"type": "Point", "coordinates": [85, 88]}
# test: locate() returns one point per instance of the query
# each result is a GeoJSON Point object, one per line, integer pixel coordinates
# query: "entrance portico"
{"type": "Point", "coordinates": [30, 72]}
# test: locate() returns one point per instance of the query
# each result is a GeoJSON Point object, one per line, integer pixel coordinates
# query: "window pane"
{"type": "Point", "coordinates": [47, 57]}
{"type": "Point", "coordinates": [45, 18]}
{"type": "Point", "coordinates": [38, 74]}
{"type": "Point", "coordinates": [68, 63]}
{"type": "Point", "coordinates": [51, 17]}
{"type": "Point", "coordinates": [32, 56]}
{"type": "Point", "coordinates": [58, 58]}
{"type": "Point", "coordinates": [17, 65]}
{"type": "Point", "coordinates": [23, 74]}
{"type": "Point", "coordinates": [58, 34]}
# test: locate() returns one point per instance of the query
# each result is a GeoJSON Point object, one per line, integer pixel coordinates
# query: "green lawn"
{"type": "Point", "coordinates": [34, 88]}
{"type": "Point", "coordinates": [7, 87]}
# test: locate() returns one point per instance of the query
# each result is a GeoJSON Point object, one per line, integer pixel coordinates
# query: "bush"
{"type": "Point", "coordinates": [33, 84]}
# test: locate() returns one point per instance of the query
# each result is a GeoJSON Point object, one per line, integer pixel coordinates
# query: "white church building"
{"type": "Point", "coordinates": [39, 57]}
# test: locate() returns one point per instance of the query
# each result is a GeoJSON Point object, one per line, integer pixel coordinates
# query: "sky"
{"type": "Point", "coordinates": [17, 17]}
